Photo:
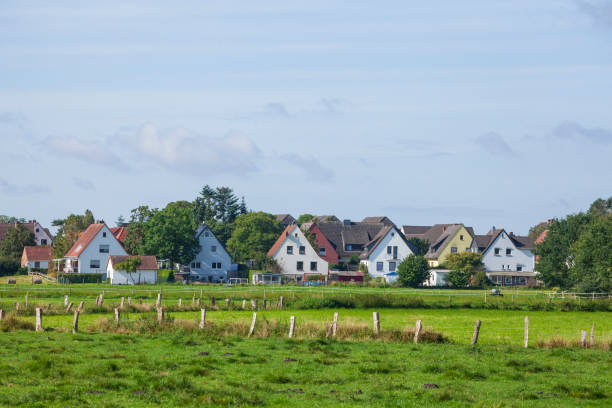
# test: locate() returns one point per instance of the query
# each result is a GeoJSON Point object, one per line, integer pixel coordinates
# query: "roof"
{"type": "Point", "coordinates": [38, 253]}
{"type": "Point", "coordinates": [147, 262]}
{"type": "Point", "coordinates": [415, 229]}
{"type": "Point", "coordinates": [438, 236]}
{"type": "Point", "coordinates": [285, 218]}
{"type": "Point", "coordinates": [378, 220]}
{"type": "Point", "coordinates": [339, 235]}
{"type": "Point", "coordinates": [541, 237]}
{"type": "Point", "coordinates": [5, 226]}
{"type": "Point", "coordinates": [84, 240]}
{"type": "Point", "coordinates": [485, 241]}
{"type": "Point", "coordinates": [281, 239]}
{"type": "Point", "coordinates": [120, 233]}
{"type": "Point", "coordinates": [325, 218]}
{"type": "Point", "coordinates": [371, 246]}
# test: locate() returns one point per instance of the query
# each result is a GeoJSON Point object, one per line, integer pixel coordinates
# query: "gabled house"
{"type": "Point", "coordinates": [444, 239]}
{"type": "Point", "coordinates": [285, 220]}
{"type": "Point", "coordinates": [508, 259]}
{"type": "Point", "coordinates": [37, 257]}
{"type": "Point", "coordinates": [378, 220]}
{"type": "Point", "coordinates": [212, 262]}
{"type": "Point", "coordinates": [42, 236]}
{"type": "Point", "coordinates": [348, 239]}
{"type": "Point", "coordinates": [325, 248]}
{"type": "Point", "coordinates": [146, 272]}
{"type": "Point", "coordinates": [296, 257]}
{"type": "Point", "coordinates": [90, 252]}
{"type": "Point", "coordinates": [385, 252]}
{"type": "Point", "coordinates": [120, 233]}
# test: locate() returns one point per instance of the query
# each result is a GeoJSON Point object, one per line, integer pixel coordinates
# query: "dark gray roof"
{"type": "Point", "coordinates": [378, 220]}
{"type": "Point", "coordinates": [371, 246]}
{"type": "Point", "coordinates": [485, 241]}
{"type": "Point", "coordinates": [438, 236]}
{"type": "Point", "coordinates": [415, 229]}
{"type": "Point", "coordinates": [285, 219]}
{"type": "Point", "coordinates": [325, 218]}
{"type": "Point", "coordinates": [358, 234]}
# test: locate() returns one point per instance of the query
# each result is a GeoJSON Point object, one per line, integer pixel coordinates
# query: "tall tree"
{"type": "Point", "coordinates": [218, 208]}
{"type": "Point", "coordinates": [120, 221]}
{"type": "Point", "coordinates": [68, 233]}
{"type": "Point", "coordinates": [135, 232]}
{"type": "Point", "coordinates": [169, 234]}
{"type": "Point", "coordinates": [6, 218]}
{"type": "Point", "coordinates": [421, 245]}
{"type": "Point", "coordinates": [413, 271]}
{"type": "Point", "coordinates": [465, 266]}
{"type": "Point", "coordinates": [601, 207]}
{"type": "Point", "coordinates": [591, 270]}
{"type": "Point", "coordinates": [253, 235]}
{"type": "Point", "coordinates": [16, 238]}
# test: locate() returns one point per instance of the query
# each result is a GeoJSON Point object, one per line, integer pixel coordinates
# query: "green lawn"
{"type": "Point", "coordinates": [54, 369]}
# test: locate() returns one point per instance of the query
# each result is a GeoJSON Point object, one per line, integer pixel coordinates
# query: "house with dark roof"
{"type": "Point", "coordinates": [325, 248]}
{"type": "Point", "coordinates": [212, 262]}
{"type": "Point", "coordinates": [295, 256]}
{"type": "Point", "coordinates": [285, 219]}
{"type": "Point", "coordinates": [37, 257]}
{"type": "Point", "coordinates": [378, 220]}
{"type": "Point", "coordinates": [90, 252]}
{"type": "Point", "coordinates": [348, 239]}
{"type": "Point", "coordinates": [42, 236]}
{"type": "Point", "coordinates": [444, 239]}
{"type": "Point", "coordinates": [508, 259]}
{"type": "Point", "coordinates": [385, 252]}
{"type": "Point", "coordinates": [146, 271]}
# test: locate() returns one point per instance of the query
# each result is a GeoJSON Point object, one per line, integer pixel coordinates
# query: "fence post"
{"type": "Point", "coordinates": [335, 324]}
{"type": "Point", "coordinates": [116, 315]}
{"type": "Point", "coordinates": [583, 337]}
{"type": "Point", "coordinates": [198, 302]}
{"type": "Point", "coordinates": [291, 326]}
{"type": "Point", "coordinates": [200, 292]}
{"type": "Point", "coordinates": [376, 319]}
{"type": "Point", "coordinates": [140, 301]}
{"type": "Point", "coordinates": [243, 304]}
{"type": "Point", "coordinates": [180, 302]}
{"type": "Point", "coordinates": [16, 306]}
{"type": "Point", "coordinates": [1, 314]}
{"type": "Point", "coordinates": [129, 301]}
{"type": "Point", "coordinates": [476, 332]}
{"type": "Point", "coordinates": [65, 300]}
{"type": "Point", "coordinates": [160, 315]}
{"type": "Point", "coordinates": [281, 302]}
{"type": "Point", "coordinates": [202, 318]}
{"type": "Point", "coordinates": [592, 340]}
{"type": "Point", "coordinates": [81, 304]}
{"type": "Point", "coordinates": [252, 329]}
{"type": "Point", "coordinates": [69, 307]}
{"type": "Point", "coordinates": [485, 298]}
{"type": "Point", "coordinates": [227, 303]}
{"type": "Point", "coordinates": [26, 300]}
{"type": "Point", "coordinates": [97, 300]}
{"type": "Point", "coordinates": [75, 322]}
{"type": "Point", "coordinates": [526, 337]}
{"type": "Point", "coordinates": [101, 299]}
{"type": "Point", "coordinates": [158, 302]}
{"type": "Point", "coordinates": [193, 300]}
{"type": "Point", "coordinates": [417, 331]}
{"type": "Point", "coordinates": [265, 304]}
{"type": "Point", "coordinates": [254, 304]}
{"type": "Point", "coordinates": [213, 301]}
{"type": "Point", "coordinates": [39, 319]}
{"type": "Point", "coordinates": [122, 304]}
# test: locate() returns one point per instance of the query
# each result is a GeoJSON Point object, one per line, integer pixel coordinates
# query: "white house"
{"type": "Point", "coordinates": [508, 259]}
{"type": "Point", "coordinates": [437, 277]}
{"type": "Point", "coordinates": [385, 252]}
{"type": "Point", "coordinates": [90, 252]}
{"type": "Point", "coordinates": [295, 256]}
{"type": "Point", "coordinates": [146, 272]}
{"type": "Point", "coordinates": [212, 262]}
{"type": "Point", "coordinates": [37, 257]}
{"type": "Point", "coordinates": [42, 236]}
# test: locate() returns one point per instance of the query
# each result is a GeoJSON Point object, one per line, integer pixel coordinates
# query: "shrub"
{"type": "Point", "coordinates": [413, 271]}
{"type": "Point", "coordinates": [79, 278]}
{"type": "Point", "coordinates": [8, 266]}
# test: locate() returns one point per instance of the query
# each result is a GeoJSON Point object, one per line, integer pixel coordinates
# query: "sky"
{"type": "Point", "coordinates": [487, 113]}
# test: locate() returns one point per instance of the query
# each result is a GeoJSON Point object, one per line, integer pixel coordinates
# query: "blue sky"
{"type": "Point", "coordinates": [482, 112]}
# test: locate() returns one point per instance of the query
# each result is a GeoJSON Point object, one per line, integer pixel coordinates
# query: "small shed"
{"type": "Point", "coordinates": [267, 278]}
{"type": "Point", "coordinates": [146, 272]}
{"type": "Point", "coordinates": [346, 276]}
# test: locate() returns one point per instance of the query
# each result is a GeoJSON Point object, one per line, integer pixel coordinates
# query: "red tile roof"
{"type": "Point", "coordinates": [120, 233]}
{"type": "Point", "coordinates": [541, 237]}
{"type": "Point", "coordinates": [147, 262]}
{"type": "Point", "coordinates": [38, 253]}
{"type": "Point", "coordinates": [84, 240]}
{"type": "Point", "coordinates": [281, 239]}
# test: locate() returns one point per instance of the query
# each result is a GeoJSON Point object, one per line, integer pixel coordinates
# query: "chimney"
{"type": "Point", "coordinates": [443, 229]}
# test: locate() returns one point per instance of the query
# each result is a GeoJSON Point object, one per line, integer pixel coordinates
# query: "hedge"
{"type": "Point", "coordinates": [79, 277]}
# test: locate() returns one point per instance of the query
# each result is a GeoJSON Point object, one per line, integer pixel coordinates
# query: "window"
{"type": "Point", "coordinates": [94, 264]}
{"type": "Point", "coordinates": [391, 266]}
{"type": "Point", "coordinates": [295, 235]}
{"type": "Point", "coordinates": [37, 264]}
{"type": "Point", "coordinates": [104, 234]}
{"type": "Point", "coordinates": [214, 265]}
{"type": "Point", "coordinates": [313, 266]}
{"type": "Point", "coordinates": [379, 266]}
{"type": "Point", "coordinates": [389, 250]}
{"type": "Point", "coordinates": [520, 280]}
{"type": "Point", "coordinates": [497, 251]}
{"type": "Point", "coordinates": [213, 248]}
{"type": "Point", "coordinates": [289, 250]}
{"type": "Point", "coordinates": [349, 247]}
{"type": "Point", "coordinates": [43, 242]}
{"type": "Point", "coordinates": [207, 234]}
{"type": "Point", "coordinates": [461, 237]}
{"type": "Point", "coordinates": [104, 249]}
{"type": "Point", "coordinates": [508, 280]}
{"type": "Point", "coordinates": [302, 250]}
{"type": "Point", "coordinates": [314, 236]}
{"type": "Point", "coordinates": [218, 265]}
{"type": "Point", "coordinates": [519, 267]}
{"type": "Point", "coordinates": [468, 249]}
{"type": "Point", "coordinates": [453, 250]}
{"type": "Point", "coordinates": [508, 251]}
{"type": "Point", "coordinates": [37, 230]}
{"type": "Point", "coordinates": [322, 251]}
{"type": "Point", "coordinates": [195, 265]}
{"type": "Point", "coordinates": [300, 266]}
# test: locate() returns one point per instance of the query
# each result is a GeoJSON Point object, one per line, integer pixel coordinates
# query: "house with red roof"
{"type": "Point", "coordinates": [91, 251]}
{"type": "Point", "coordinates": [296, 257]}
{"type": "Point", "coordinates": [120, 233]}
{"type": "Point", "coordinates": [36, 257]}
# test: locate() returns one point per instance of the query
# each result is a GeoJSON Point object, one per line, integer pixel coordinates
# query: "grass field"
{"type": "Point", "coordinates": [109, 370]}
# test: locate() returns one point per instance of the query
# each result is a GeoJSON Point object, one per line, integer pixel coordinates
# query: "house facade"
{"type": "Point", "coordinates": [36, 257]}
{"type": "Point", "coordinates": [146, 272]}
{"type": "Point", "coordinates": [347, 239]}
{"type": "Point", "coordinates": [508, 259]}
{"type": "Point", "coordinates": [91, 251]}
{"type": "Point", "coordinates": [212, 262]}
{"type": "Point", "coordinates": [385, 252]}
{"type": "Point", "coordinates": [437, 277]}
{"type": "Point", "coordinates": [326, 249]}
{"type": "Point", "coordinates": [42, 236]}
{"type": "Point", "coordinates": [444, 239]}
{"type": "Point", "coordinates": [296, 257]}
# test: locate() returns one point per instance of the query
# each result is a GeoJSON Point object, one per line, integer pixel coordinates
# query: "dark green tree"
{"type": "Point", "coordinates": [253, 235]}
{"type": "Point", "coordinates": [68, 233]}
{"type": "Point", "coordinates": [421, 245]}
{"type": "Point", "coordinates": [16, 238]}
{"type": "Point", "coordinates": [413, 271]}
{"type": "Point", "coordinates": [591, 269]}
{"type": "Point", "coordinates": [601, 207]}
{"type": "Point", "coordinates": [304, 218]}
{"type": "Point", "coordinates": [218, 208]}
{"type": "Point", "coordinates": [6, 218]}
{"type": "Point", "coordinates": [466, 268]}
{"type": "Point", "coordinates": [458, 279]}
{"type": "Point", "coordinates": [135, 234]}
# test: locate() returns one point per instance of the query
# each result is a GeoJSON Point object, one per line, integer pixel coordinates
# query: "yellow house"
{"type": "Point", "coordinates": [444, 239]}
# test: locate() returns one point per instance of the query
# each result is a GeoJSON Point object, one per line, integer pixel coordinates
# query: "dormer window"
{"type": "Point", "coordinates": [349, 247]}
{"type": "Point", "coordinates": [213, 248]}
{"type": "Point", "coordinates": [461, 237]}
{"type": "Point", "coordinates": [104, 234]}
{"type": "Point", "coordinates": [207, 234]}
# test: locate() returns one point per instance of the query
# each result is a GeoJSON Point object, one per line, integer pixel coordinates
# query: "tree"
{"type": "Point", "coordinates": [130, 265]}
{"type": "Point", "coordinates": [312, 240]}
{"type": "Point", "coordinates": [421, 245]}
{"type": "Point", "coordinates": [601, 207]}
{"type": "Point", "coordinates": [14, 241]}
{"type": "Point", "coordinates": [7, 219]}
{"type": "Point", "coordinates": [120, 221]}
{"type": "Point", "coordinates": [464, 268]}
{"type": "Point", "coordinates": [304, 218]}
{"type": "Point", "coordinates": [69, 231]}
{"type": "Point", "coordinates": [254, 234]}
{"type": "Point", "coordinates": [592, 254]}
{"type": "Point", "coordinates": [458, 279]}
{"type": "Point", "coordinates": [413, 271]}
{"type": "Point", "coordinates": [169, 234]}
{"type": "Point", "coordinates": [218, 208]}
{"type": "Point", "coordinates": [135, 233]}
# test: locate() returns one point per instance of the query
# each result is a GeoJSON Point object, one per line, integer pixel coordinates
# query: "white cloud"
{"type": "Point", "coordinates": [313, 169]}
{"type": "Point", "coordinates": [90, 151]}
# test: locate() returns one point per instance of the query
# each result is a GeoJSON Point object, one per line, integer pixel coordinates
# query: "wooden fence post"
{"type": "Point", "coordinates": [265, 304]}
{"type": "Point", "coordinates": [583, 337]}
{"type": "Point", "coordinates": [254, 304]}
{"type": "Point", "coordinates": [252, 329]}
{"type": "Point", "coordinates": [335, 324]}
{"type": "Point", "coordinates": [16, 306]}
{"type": "Point", "coordinates": [160, 315]}
{"type": "Point", "coordinates": [417, 331]}
{"type": "Point", "coordinates": [526, 337]}
{"type": "Point", "coordinates": [81, 304]}
{"type": "Point", "coordinates": [227, 304]}
{"type": "Point", "coordinates": [65, 300]}
{"type": "Point", "coordinates": [26, 300]}
{"type": "Point", "coordinates": [101, 299]}
{"type": "Point", "coordinates": [117, 315]}
{"type": "Point", "coordinates": [158, 302]}
{"type": "Point", "coordinates": [375, 317]}
{"type": "Point", "coordinates": [39, 319]}
{"type": "Point", "coordinates": [592, 339]}
{"type": "Point", "coordinates": [1, 314]}
{"type": "Point", "coordinates": [291, 326]}
{"type": "Point", "coordinates": [75, 322]}
{"type": "Point", "coordinates": [180, 302]}
{"type": "Point", "coordinates": [140, 301]}
{"type": "Point", "coordinates": [476, 332]}
{"type": "Point", "coordinates": [122, 304]}
{"type": "Point", "coordinates": [202, 318]}
{"type": "Point", "coordinates": [69, 307]}
{"type": "Point", "coordinates": [193, 300]}
{"type": "Point", "coordinates": [198, 302]}
{"type": "Point", "coordinates": [129, 301]}
{"type": "Point", "coordinates": [243, 304]}
{"type": "Point", "coordinates": [281, 302]}
{"type": "Point", "coordinates": [213, 301]}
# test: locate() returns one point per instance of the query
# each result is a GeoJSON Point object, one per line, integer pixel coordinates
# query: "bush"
{"type": "Point", "coordinates": [79, 277]}
{"type": "Point", "coordinates": [170, 277]}
{"type": "Point", "coordinates": [413, 271]}
{"type": "Point", "coordinates": [8, 266]}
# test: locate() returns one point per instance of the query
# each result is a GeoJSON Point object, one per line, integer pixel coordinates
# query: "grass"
{"type": "Point", "coordinates": [185, 369]}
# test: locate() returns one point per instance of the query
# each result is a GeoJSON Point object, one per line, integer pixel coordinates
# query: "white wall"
{"type": "Point", "coordinates": [494, 263]}
{"type": "Point", "coordinates": [206, 258]}
{"type": "Point", "coordinates": [121, 277]}
{"type": "Point", "coordinates": [437, 277]}
{"type": "Point", "coordinates": [288, 263]}
{"type": "Point", "coordinates": [380, 254]}
{"type": "Point", "coordinates": [93, 251]}
{"type": "Point", "coordinates": [41, 234]}
{"type": "Point", "coordinates": [43, 265]}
